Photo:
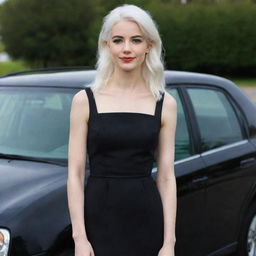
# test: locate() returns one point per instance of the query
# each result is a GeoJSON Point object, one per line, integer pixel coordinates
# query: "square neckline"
{"type": "Point", "coordinates": [121, 112]}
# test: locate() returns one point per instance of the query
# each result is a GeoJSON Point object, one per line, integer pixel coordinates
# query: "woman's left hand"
{"type": "Point", "coordinates": [167, 250]}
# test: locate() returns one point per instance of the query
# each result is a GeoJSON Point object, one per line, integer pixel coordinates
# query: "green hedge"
{"type": "Point", "coordinates": [48, 33]}
{"type": "Point", "coordinates": [212, 38]}
{"type": "Point", "coordinates": [219, 38]}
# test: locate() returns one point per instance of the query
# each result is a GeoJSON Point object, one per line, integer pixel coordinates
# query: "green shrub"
{"type": "Point", "coordinates": [212, 38]}
{"type": "Point", "coordinates": [217, 38]}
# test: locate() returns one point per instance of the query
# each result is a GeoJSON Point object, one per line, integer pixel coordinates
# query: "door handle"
{"type": "Point", "coordinates": [247, 162]}
{"type": "Point", "coordinates": [198, 183]}
{"type": "Point", "coordinates": [200, 179]}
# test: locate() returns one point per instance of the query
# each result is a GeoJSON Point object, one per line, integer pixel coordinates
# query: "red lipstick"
{"type": "Point", "coordinates": [127, 59]}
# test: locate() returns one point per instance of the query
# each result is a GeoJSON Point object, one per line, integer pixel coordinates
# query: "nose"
{"type": "Point", "coordinates": [126, 46]}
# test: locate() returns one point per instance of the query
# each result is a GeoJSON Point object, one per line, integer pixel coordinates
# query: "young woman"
{"type": "Point", "coordinates": [124, 120]}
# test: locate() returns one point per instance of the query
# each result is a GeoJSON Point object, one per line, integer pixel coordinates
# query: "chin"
{"type": "Point", "coordinates": [127, 68]}
{"type": "Point", "coordinates": [130, 69]}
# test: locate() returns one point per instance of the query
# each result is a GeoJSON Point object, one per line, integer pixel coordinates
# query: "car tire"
{"type": "Point", "coordinates": [247, 236]}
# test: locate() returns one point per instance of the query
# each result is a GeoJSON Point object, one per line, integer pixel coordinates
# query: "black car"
{"type": "Point", "coordinates": [215, 163]}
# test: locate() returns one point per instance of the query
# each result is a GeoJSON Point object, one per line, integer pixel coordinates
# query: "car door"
{"type": "Point", "coordinates": [229, 158]}
{"type": "Point", "coordinates": [189, 171]}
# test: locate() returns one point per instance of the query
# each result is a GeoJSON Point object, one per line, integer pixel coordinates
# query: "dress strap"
{"type": "Point", "coordinates": [159, 105]}
{"type": "Point", "coordinates": [92, 104]}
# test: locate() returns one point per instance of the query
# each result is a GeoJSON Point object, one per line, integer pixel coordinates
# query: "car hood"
{"type": "Point", "coordinates": [23, 182]}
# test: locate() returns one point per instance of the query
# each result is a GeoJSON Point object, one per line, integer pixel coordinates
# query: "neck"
{"type": "Point", "coordinates": [127, 81]}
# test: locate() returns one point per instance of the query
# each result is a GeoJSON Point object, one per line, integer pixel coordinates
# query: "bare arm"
{"type": "Point", "coordinates": [76, 162]}
{"type": "Point", "coordinates": [166, 181]}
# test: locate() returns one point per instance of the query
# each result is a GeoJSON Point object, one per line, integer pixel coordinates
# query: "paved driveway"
{"type": "Point", "coordinates": [250, 91]}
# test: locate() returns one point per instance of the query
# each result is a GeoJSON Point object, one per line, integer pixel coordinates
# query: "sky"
{"type": "Point", "coordinates": [1, 1]}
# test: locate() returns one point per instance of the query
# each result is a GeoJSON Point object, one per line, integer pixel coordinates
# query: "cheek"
{"type": "Point", "coordinates": [141, 51]}
{"type": "Point", "coordinates": [114, 50]}
{"type": "Point", "coordinates": [142, 54]}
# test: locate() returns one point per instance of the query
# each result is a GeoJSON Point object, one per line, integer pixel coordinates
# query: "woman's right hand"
{"type": "Point", "coordinates": [83, 247]}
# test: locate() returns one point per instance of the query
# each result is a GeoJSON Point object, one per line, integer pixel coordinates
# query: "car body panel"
{"type": "Point", "coordinates": [213, 190]}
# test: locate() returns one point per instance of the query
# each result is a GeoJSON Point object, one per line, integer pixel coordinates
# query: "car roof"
{"type": "Point", "coordinates": [80, 79]}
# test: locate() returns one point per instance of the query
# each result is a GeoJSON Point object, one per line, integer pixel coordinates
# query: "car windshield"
{"type": "Point", "coordinates": [34, 122]}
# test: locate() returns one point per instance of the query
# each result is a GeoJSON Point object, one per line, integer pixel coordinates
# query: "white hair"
{"type": "Point", "coordinates": [153, 68]}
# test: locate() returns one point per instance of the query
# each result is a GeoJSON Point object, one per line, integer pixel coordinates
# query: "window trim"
{"type": "Point", "coordinates": [192, 121]}
{"type": "Point", "coordinates": [191, 133]}
{"type": "Point", "coordinates": [225, 147]}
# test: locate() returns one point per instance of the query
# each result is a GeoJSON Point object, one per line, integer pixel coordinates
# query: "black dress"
{"type": "Point", "coordinates": [123, 208]}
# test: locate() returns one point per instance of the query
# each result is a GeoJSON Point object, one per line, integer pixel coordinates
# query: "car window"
{"type": "Point", "coordinates": [35, 121]}
{"type": "Point", "coordinates": [182, 138]}
{"type": "Point", "coordinates": [217, 120]}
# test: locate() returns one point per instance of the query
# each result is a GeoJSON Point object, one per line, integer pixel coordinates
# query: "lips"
{"type": "Point", "coordinates": [127, 59]}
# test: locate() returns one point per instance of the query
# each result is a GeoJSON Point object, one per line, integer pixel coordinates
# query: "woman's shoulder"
{"type": "Point", "coordinates": [169, 100]}
{"type": "Point", "coordinates": [80, 103]}
{"type": "Point", "coordinates": [169, 106]}
{"type": "Point", "coordinates": [80, 98]}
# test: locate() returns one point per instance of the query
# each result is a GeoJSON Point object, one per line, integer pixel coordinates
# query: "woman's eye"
{"type": "Point", "coordinates": [137, 40]}
{"type": "Point", "coordinates": [134, 40]}
{"type": "Point", "coordinates": [117, 40]}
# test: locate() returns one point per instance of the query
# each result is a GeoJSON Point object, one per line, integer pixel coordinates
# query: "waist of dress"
{"type": "Point", "coordinates": [119, 176]}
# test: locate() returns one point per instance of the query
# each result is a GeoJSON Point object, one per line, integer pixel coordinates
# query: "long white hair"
{"type": "Point", "coordinates": [153, 66]}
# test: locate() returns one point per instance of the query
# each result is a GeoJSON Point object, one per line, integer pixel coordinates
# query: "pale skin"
{"type": "Point", "coordinates": [125, 91]}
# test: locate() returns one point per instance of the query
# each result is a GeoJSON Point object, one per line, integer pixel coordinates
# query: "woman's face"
{"type": "Point", "coordinates": [127, 41]}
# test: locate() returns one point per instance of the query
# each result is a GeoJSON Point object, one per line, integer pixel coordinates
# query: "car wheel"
{"type": "Point", "coordinates": [247, 237]}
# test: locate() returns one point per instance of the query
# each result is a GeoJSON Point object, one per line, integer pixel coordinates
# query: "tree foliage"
{"type": "Point", "coordinates": [218, 39]}
{"type": "Point", "coordinates": [199, 36]}
{"type": "Point", "coordinates": [49, 33]}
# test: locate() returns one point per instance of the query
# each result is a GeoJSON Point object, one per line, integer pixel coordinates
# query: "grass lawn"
{"type": "Point", "coordinates": [12, 66]}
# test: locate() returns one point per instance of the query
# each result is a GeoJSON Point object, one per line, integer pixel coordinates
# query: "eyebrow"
{"type": "Point", "coordinates": [131, 36]}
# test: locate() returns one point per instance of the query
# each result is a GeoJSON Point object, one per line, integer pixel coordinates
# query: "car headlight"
{"type": "Point", "coordinates": [4, 241]}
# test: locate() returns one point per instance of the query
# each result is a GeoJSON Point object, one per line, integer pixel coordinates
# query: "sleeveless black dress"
{"type": "Point", "coordinates": [123, 208]}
